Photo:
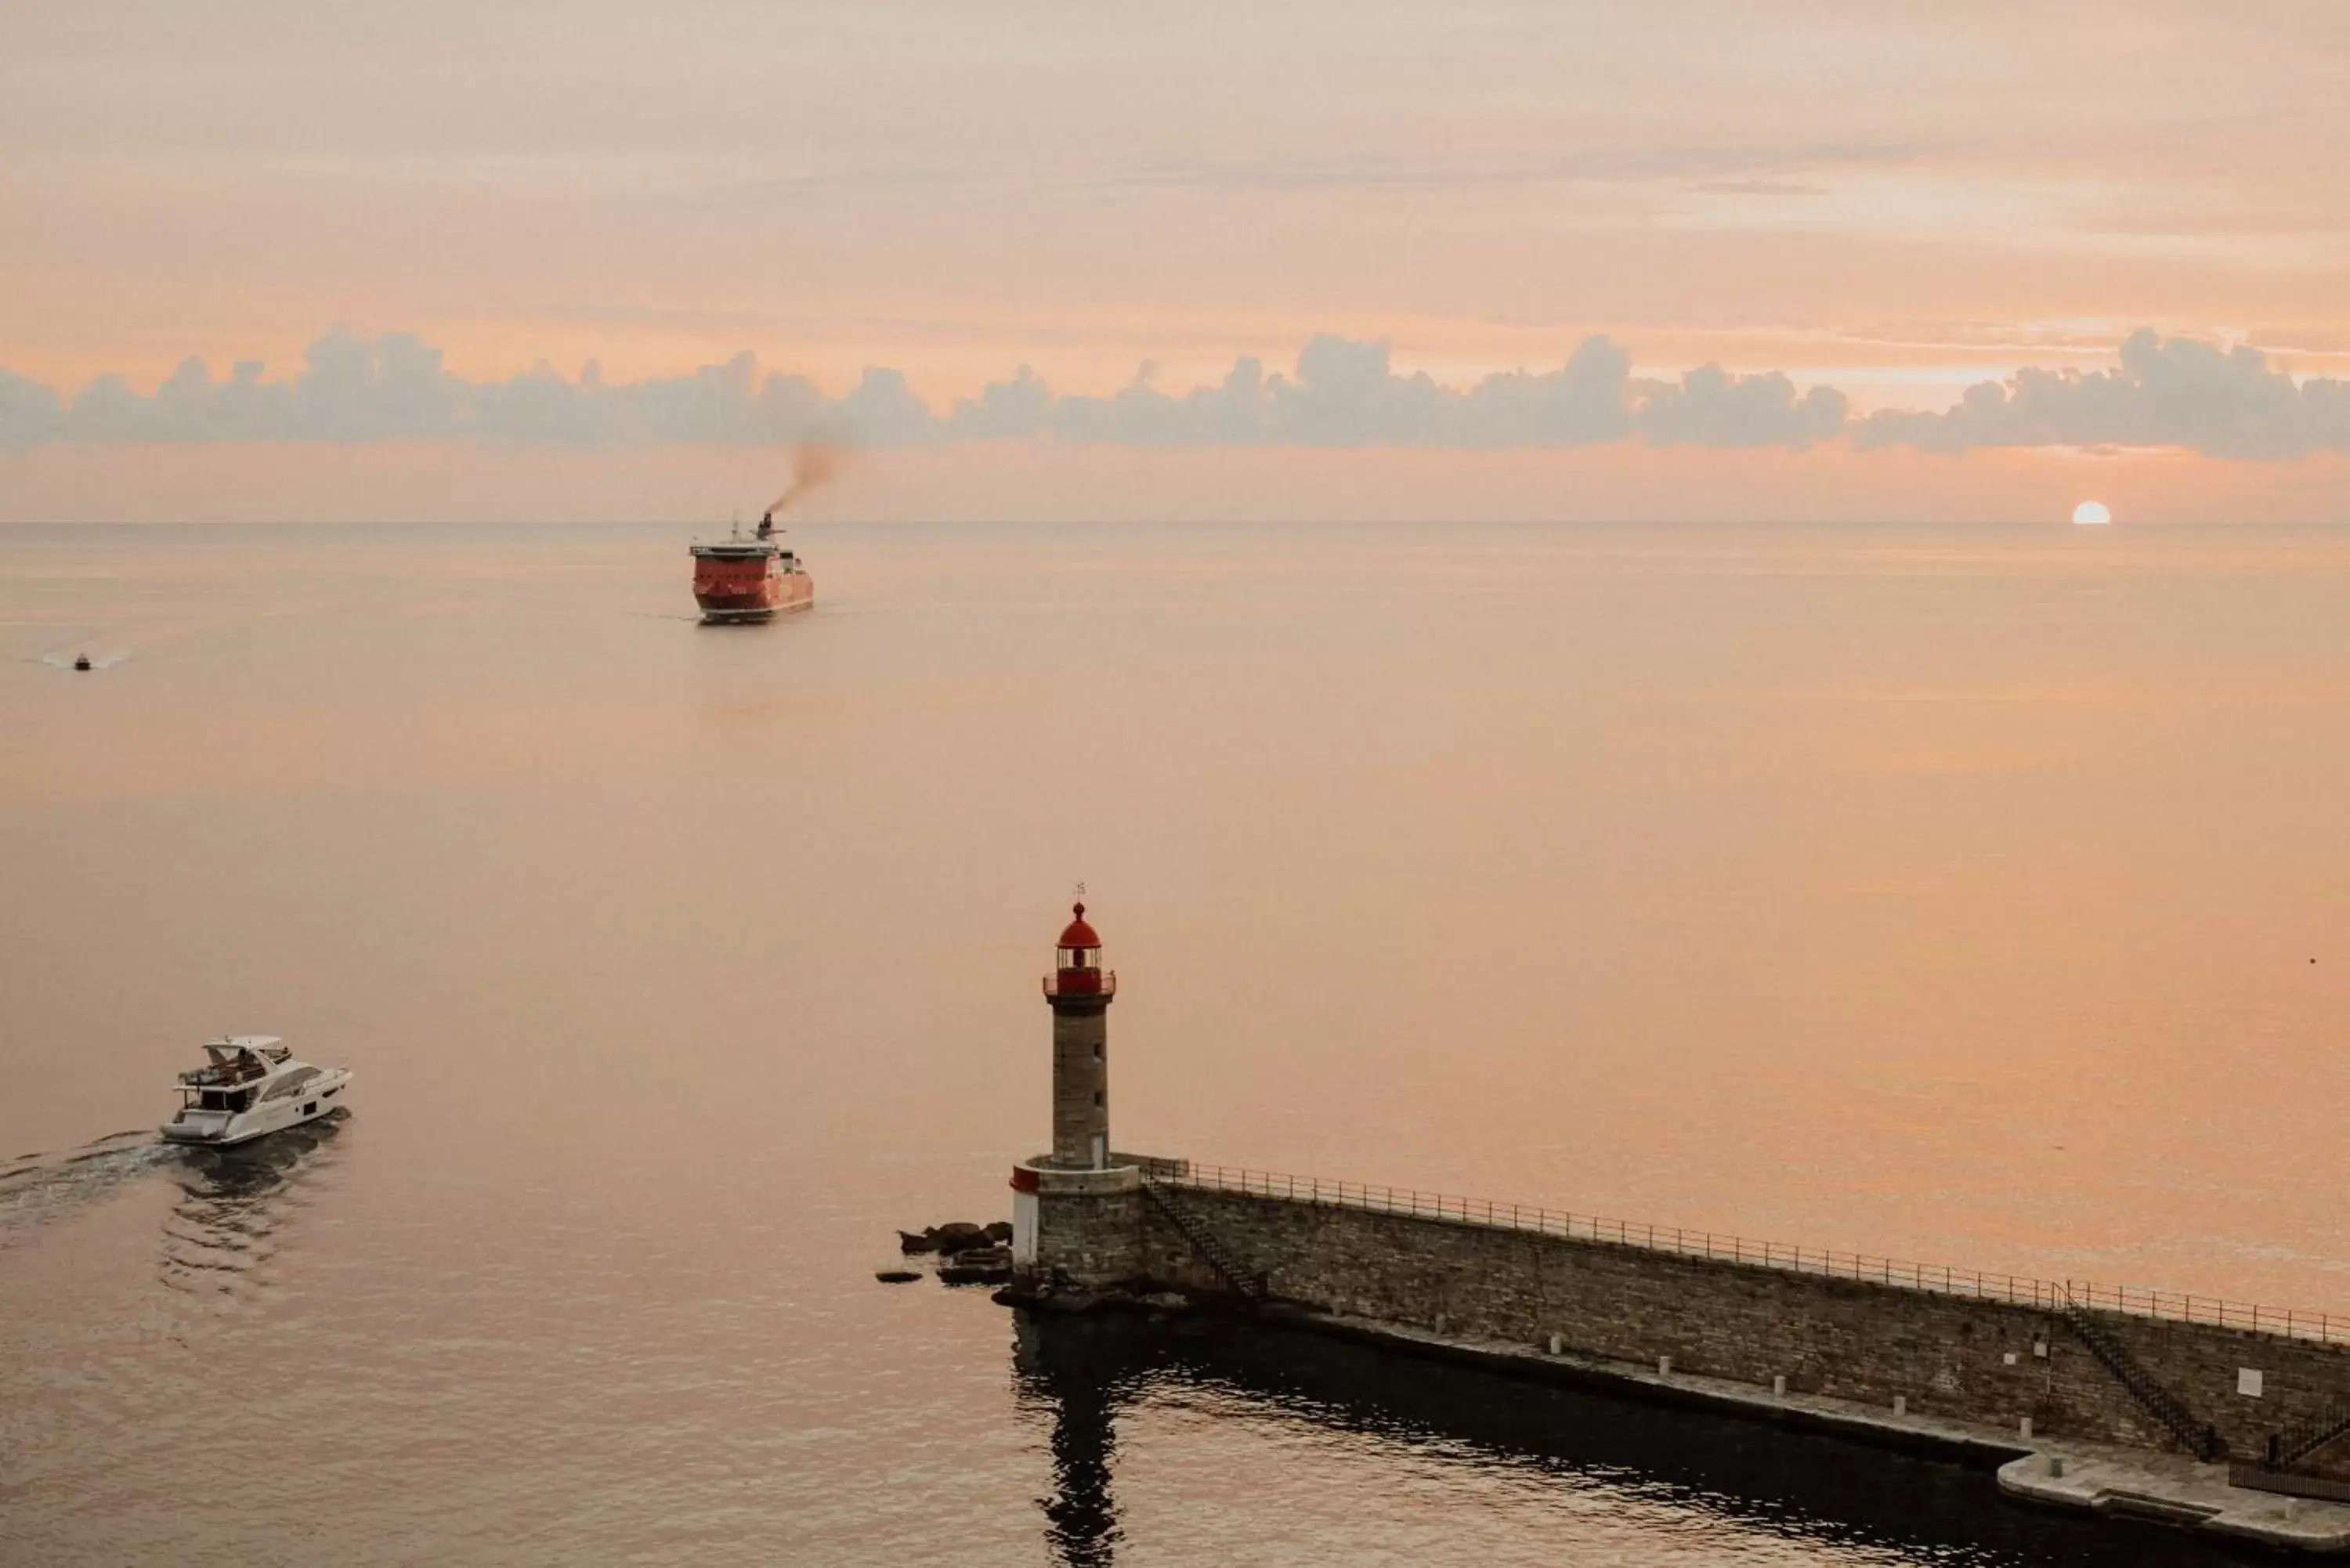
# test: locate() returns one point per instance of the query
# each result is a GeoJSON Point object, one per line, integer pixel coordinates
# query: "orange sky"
{"type": "Point", "coordinates": [1898, 199]}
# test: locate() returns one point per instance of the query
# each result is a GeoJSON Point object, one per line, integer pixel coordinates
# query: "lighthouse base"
{"type": "Point", "coordinates": [1080, 1226]}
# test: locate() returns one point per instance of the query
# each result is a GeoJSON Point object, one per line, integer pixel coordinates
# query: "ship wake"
{"type": "Point", "coordinates": [36, 1188]}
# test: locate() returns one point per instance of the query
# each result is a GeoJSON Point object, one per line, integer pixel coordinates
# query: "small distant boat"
{"type": "Point", "coordinates": [752, 579]}
{"type": "Point", "coordinates": [251, 1085]}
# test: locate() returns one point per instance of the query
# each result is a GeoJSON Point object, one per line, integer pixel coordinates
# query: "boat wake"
{"type": "Point", "coordinates": [223, 1229]}
{"type": "Point", "coordinates": [61, 658]}
{"type": "Point", "coordinates": [36, 1188]}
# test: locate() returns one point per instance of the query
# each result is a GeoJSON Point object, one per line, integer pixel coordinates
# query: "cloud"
{"type": "Point", "coordinates": [1711, 407]}
{"type": "Point", "coordinates": [1340, 392]}
{"type": "Point", "coordinates": [1343, 393]}
{"type": "Point", "coordinates": [2175, 392]}
{"type": "Point", "coordinates": [1744, 167]}
{"type": "Point", "coordinates": [355, 389]}
{"type": "Point", "coordinates": [29, 412]}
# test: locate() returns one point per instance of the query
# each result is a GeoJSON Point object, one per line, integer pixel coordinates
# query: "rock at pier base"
{"type": "Point", "coordinates": [978, 1266]}
{"type": "Point", "coordinates": [961, 1236]}
{"type": "Point", "coordinates": [956, 1236]}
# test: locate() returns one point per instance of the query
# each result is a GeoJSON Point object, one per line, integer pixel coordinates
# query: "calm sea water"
{"type": "Point", "coordinates": [1974, 894]}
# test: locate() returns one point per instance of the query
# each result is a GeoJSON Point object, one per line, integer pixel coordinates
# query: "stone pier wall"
{"type": "Point", "coordinates": [1946, 1356]}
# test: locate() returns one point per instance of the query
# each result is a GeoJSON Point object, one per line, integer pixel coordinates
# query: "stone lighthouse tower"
{"type": "Point", "coordinates": [1077, 1212]}
{"type": "Point", "coordinates": [1080, 991]}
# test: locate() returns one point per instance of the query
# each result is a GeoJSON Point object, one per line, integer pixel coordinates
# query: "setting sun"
{"type": "Point", "coordinates": [2092, 513]}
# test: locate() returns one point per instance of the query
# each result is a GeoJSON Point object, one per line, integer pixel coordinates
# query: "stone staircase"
{"type": "Point", "coordinates": [1168, 1200]}
{"type": "Point", "coordinates": [2199, 1437]}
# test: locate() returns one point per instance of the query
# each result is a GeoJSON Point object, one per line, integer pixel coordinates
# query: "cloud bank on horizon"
{"type": "Point", "coordinates": [2162, 392]}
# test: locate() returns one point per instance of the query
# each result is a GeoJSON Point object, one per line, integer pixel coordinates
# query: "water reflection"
{"type": "Point", "coordinates": [1081, 1380]}
{"type": "Point", "coordinates": [223, 1229]}
{"type": "Point", "coordinates": [1843, 1500]}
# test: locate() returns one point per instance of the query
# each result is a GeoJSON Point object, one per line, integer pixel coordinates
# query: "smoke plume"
{"type": "Point", "coordinates": [813, 463]}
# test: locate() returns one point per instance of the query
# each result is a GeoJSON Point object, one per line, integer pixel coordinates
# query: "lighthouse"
{"type": "Point", "coordinates": [1076, 1215]}
{"type": "Point", "coordinates": [1079, 991]}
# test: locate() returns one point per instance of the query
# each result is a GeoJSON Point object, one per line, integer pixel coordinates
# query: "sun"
{"type": "Point", "coordinates": [2092, 515]}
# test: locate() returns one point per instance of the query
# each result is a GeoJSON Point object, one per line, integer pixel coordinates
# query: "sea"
{"type": "Point", "coordinates": [1969, 895]}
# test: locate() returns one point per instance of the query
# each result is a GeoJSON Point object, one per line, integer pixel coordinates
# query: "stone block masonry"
{"type": "Point", "coordinates": [1082, 1224]}
{"type": "Point", "coordinates": [1952, 1356]}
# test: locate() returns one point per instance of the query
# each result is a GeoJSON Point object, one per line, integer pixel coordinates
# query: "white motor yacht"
{"type": "Point", "coordinates": [252, 1085]}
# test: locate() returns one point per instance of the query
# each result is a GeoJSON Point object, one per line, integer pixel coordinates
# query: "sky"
{"type": "Point", "coordinates": [1689, 259]}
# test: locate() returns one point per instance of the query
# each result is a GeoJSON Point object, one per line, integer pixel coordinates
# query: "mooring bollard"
{"type": "Point", "coordinates": [1664, 1366]}
{"type": "Point", "coordinates": [2027, 1425]}
{"type": "Point", "coordinates": [1901, 1403]}
{"type": "Point", "coordinates": [1440, 1323]}
{"type": "Point", "coordinates": [2055, 1467]}
{"type": "Point", "coordinates": [1779, 1386]}
{"type": "Point", "coordinates": [1558, 1344]}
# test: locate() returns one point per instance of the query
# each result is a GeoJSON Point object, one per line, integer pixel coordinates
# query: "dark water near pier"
{"type": "Point", "coordinates": [1945, 893]}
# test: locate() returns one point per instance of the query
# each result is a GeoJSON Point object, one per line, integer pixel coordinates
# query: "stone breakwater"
{"type": "Point", "coordinates": [2037, 1373]}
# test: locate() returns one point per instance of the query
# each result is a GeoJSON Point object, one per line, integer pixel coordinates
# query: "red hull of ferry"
{"type": "Point", "coordinates": [732, 584]}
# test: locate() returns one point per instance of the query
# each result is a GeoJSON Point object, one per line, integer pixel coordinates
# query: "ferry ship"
{"type": "Point", "coordinates": [252, 1085]}
{"type": "Point", "coordinates": [739, 579]}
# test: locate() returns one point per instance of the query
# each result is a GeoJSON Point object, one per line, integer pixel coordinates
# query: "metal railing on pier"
{"type": "Point", "coordinates": [2017, 1289]}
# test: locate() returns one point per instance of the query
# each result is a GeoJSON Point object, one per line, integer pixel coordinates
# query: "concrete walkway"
{"type": "Point", "coordinates": [2139, 1483]}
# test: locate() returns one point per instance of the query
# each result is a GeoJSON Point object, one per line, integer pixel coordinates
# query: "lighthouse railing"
{"type": "Point", "coordinates": [2017, 1289]}
{"type": "Point", "coordinates": [1082, 983]}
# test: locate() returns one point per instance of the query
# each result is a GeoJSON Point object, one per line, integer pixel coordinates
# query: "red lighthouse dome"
{"type": "Point", "coordinates": [1077, 969]}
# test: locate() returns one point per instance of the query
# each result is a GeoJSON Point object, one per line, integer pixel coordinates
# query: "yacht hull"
{"type": "Point", "coordinates": [319, 1097]}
